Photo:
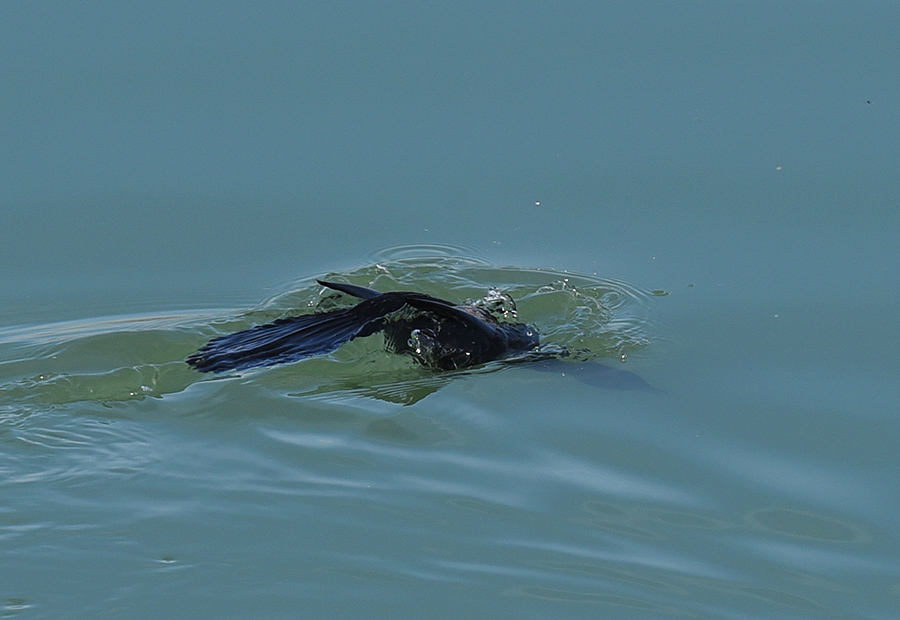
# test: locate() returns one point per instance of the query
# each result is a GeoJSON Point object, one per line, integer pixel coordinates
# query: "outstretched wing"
{"type": "Point", "coordinates": [351, 289]}
{"type": "Point", "coordinates": [427, 303]}
{"type": "Point", "coordinates": [285, 340]}
{"type": "Point", "coordinates": [294, 338]}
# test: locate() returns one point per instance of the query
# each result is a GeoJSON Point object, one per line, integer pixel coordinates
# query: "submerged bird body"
{"type": "Point", "coordinates": [436, 333]}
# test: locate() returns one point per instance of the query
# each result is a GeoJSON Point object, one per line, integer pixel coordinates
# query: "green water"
{"type": "Point", "coordinates": [706, 191]}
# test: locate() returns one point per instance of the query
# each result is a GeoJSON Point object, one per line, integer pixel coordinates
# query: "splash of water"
{"type": "Point", "coordinates": [589, 317]}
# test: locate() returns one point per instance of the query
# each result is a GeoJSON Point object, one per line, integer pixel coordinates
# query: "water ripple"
{"type": "Point", "coordinates": [115, 359]}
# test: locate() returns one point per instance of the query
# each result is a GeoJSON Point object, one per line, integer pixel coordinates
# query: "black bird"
{"type": "Point", "coordinates": [436, 333]}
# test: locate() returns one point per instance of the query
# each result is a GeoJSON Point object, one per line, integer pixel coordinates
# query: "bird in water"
{"type": "Point", "coordinates": [436, 333]}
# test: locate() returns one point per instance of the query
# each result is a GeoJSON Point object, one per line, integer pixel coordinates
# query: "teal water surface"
{"type": "Point", "coordinates": [348, 485]}
{"type": "Point", "coordinates": [700, 199]}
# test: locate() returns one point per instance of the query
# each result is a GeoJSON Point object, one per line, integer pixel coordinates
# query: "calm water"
{"type": "Point", "coordinates": [707, 190]}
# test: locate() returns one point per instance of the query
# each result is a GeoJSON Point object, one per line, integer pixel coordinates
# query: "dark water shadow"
{"type": "Point", "coordinates": [411, 391]}
{"type": "Point", "coordinates": [596, 375]}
